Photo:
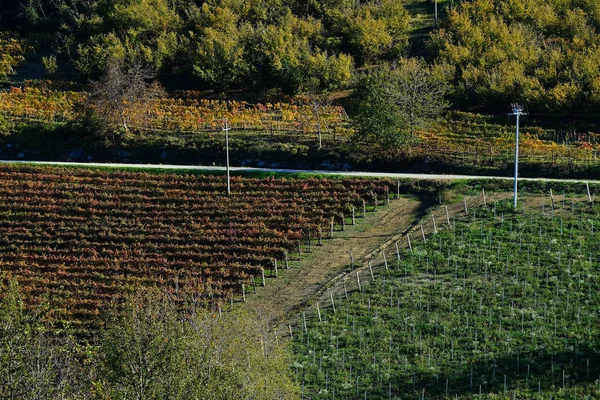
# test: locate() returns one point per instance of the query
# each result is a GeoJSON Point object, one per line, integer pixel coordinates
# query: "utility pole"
{"type": "Point", "coordinates": [226, 129]}
{"type": "Point", "coordinates": [518, 111]}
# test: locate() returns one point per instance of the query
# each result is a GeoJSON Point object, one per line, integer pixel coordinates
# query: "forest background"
{"type": "Point", "coordinates": [415, 77]}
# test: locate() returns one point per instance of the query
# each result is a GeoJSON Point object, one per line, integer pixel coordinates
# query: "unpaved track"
{"type": "Point", "coordinates": [298, 287]}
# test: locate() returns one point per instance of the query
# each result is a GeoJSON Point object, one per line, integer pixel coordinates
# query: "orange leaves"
{"type": "Point", "coordinates": [174, 114]}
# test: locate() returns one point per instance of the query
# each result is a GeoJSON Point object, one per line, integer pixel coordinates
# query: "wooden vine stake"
{"type": "Point", "coordinates": [397, 251]}
{"type": "Point", "coordinates": [358, 280]}
{"type": "Point", "coordinates": [287, 266]}
{"type": "Point", "coordinates": [364, 208]}
{"type": "Point", "coordinates": [447, 215]}
{"type": "Point", "coordinates": [353, 216]}
{"type": "Point", "coordinates": [465, 204]}
{"type": "Point", "coordinates": [244, 292]}
{"type": "Point", "coordinates": [275, 268]}
{"type": "Point", "coordinates": [483, 194]}
{"type": "Point", "coordinates": [385, 262]}
{"type": "Point", "coordinates": [332, 302]}
{"type": "Point", "coordinates": [331, 231]}
{"type": "Point", "coordinates": [371, 269]}
{"type": "Point", "coordinates": [552, 199]}
{"type": "Point", "coordinates": [291, 334]}
{"type": "Point", "coordinates": [319, 312]}
{"type": "Point", "coordinates": [343, 221]}
{"type": "Point", "coordinates": [387, 192]}
{"type": "Point", "coordinates": [263, 276]}
{"type": "Point", "coordinates": [434, 226]}
{"type": "Point", "coordinates": [408, 239]}
{"type": "Point", "coordinates": [398, 189]}
{"type": "Point", "coordinates": [423, 234]}
{"type": "Point", "coordinates": [304, 321]}
{"type": "Point", "coordinates": [299, 254]}
{"type": "Point", "coordinates": [587, 186]}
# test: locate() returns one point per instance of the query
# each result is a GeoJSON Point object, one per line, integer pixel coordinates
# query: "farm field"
{"type": "Point", "coordinates": [185, 112]}
{"type": "Point", "coordinates": [497, 305]}
{"type": "Point", "coordinates": [81, 238]}
{"type": "Point", "coordinates": [464, 138]}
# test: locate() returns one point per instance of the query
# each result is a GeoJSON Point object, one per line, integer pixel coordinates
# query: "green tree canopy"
{"type": "Point", "coordinates": [150, 350]}
{"type": "Point", "coordinates": [133, 32]}
{"type": "Point", "coordinates": [541, 53]}
{"type": "Point", "coordinates": [393, 101]}
{"type": "Point", "coordinates": [35, 364]}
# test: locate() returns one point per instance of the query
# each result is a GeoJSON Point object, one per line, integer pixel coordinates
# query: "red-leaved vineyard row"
{"type": "Point", "coordinates": [82, 238]}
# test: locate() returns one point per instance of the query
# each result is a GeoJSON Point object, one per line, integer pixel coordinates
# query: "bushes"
{"type": "Point", "coordinates": [147, 349]}
{"type": "Point", "coordinates": [543, 54]}
{"type": "Point", "coordinates": [5, 127]}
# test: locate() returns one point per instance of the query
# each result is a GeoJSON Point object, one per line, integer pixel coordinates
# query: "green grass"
{"type": "Point", "coordinates": [503, 296]}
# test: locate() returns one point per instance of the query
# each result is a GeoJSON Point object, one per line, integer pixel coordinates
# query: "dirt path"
{"type": "Point", "coordinates": [325, 271]}
{"type": "Point", "coordinates": [297, 287]}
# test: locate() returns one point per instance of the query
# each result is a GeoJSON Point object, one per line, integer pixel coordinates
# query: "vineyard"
{"type": "Point", "coordinates": [491, 304]}
{"type": "Point", "coordinates": [82, 238]}
{"type": "Point", "coordinates": [477, 142]}
{"type": "Point", "coordinates": [186, 113]}
{"type": "Point", "coordinates": [466, 141]}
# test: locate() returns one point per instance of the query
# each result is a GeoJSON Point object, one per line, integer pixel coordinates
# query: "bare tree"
{"type": "Point", "coordinates": [419, 91]}
{"type": "Point", "coordinates": [116, 92]}
{"type": "Point", "coordinates": [318, 102]}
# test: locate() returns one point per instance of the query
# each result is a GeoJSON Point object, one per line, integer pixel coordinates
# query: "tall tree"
{"type": "Point", "coordinates": [394, 101]}
{"type": "Point", "coordinates": [419, 91]}
{"type": "Point", "coordinates": [377, 116]}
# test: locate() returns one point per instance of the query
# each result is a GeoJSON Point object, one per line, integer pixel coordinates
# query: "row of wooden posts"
{"type": "Point", "coordinates": [409, 244]}
{"type": "Point", "coordinates": [408, 239]}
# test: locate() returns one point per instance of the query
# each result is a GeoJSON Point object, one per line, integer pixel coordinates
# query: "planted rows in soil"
{"type": "Point", "coordinates": [81, 238]}
{"type": "Point", "coordinates": [502, 304]}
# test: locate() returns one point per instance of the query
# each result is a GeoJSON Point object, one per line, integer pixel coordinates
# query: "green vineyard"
{"type": "Point", "coordinates": [497, 305]}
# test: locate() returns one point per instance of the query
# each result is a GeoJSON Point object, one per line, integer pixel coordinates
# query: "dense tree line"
{"type": "Point", "coordinates": [545, 54]}
{"type": "Point", "coordinates": [483, 56]}
{"type": "Point", "coordinates": [222, 44]}
{"type": "Point", "coordinates": [147, 349]}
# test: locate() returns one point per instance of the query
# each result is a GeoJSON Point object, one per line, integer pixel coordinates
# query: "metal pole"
{"type": "Point", "coordinates": [518, 111]}
{"type": "Point", "coordinates": [516, 162]}
{"type": "Point", "coordinates": [226, 129]}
